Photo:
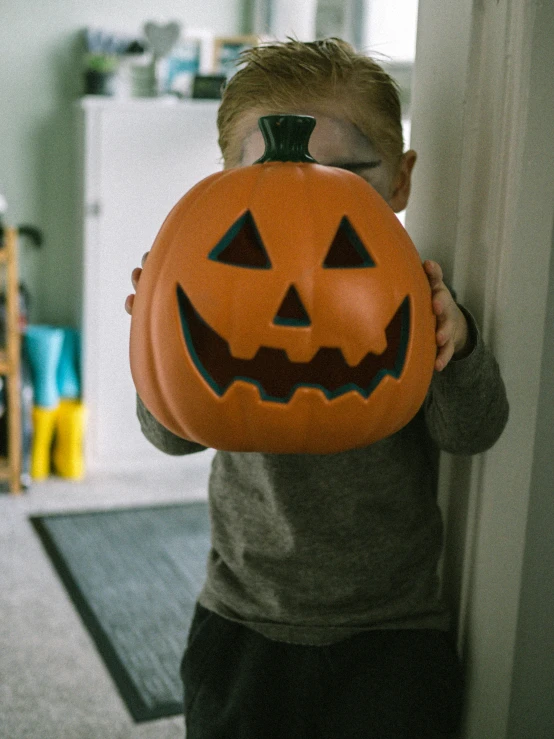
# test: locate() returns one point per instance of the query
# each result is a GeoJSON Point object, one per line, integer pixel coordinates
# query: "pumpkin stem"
{"type": "Point", "coordinates": [286, 138]}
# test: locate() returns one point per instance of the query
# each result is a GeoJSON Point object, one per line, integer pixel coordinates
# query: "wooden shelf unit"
{"type": "Point", "coordinates": [10, 359]}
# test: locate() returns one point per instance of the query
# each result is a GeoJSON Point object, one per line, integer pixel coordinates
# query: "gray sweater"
{"type": "Point", "coordinates": [311, 549]}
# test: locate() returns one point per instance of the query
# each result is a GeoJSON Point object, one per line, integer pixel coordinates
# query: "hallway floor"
{"type": "Point", "coordinates": [54, 684]}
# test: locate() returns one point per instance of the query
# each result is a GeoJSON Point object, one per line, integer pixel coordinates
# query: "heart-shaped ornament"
{"type": "Point", "coordinates": [161, 37]}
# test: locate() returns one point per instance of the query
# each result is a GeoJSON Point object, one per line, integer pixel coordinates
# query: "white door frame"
{"type": "Point", "coordinates": [483, 206]}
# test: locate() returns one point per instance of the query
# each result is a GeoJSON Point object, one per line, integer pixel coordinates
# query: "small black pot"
{"type": "Point", "coordinates": [99, 83]}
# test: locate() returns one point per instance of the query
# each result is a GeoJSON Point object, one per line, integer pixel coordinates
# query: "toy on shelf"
{"type": "Point", "coordinates": [58, 414]}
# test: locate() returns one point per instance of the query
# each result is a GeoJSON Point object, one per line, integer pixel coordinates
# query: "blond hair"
{"type": "Point", "coordinates": [284, 76]}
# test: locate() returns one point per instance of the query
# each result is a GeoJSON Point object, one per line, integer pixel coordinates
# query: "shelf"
{"type": "Point", "coordinates": [10, 468]}
{"type": "Point", "coordinates": [5, 364]}
{"type": "Point", "coordinates": [165, 102]}
{"type": "Point", "coordinates": [5, 471]}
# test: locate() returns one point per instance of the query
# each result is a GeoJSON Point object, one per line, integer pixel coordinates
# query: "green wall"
{"type": "Point", "coordinates": [40, 79]}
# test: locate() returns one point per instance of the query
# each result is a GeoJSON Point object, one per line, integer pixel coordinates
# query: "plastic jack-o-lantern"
{"type": "Point", "coordinates": [283, 308]}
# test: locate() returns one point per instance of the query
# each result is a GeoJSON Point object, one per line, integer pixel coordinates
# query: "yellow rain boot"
{"type": "Point", "coordinates": [44, 424]}
{"type": "Point", "coordinates": [68, 445]}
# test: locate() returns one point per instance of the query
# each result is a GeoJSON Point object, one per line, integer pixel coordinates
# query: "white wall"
{"type": "Point", "coordinates": [39, 80]}
{"type": "Point", "coordinates": [532, 706]}
{"type": "Point", "coordinates": [390, 28]}
{"type": "Point", "coordinates": [483, 205]}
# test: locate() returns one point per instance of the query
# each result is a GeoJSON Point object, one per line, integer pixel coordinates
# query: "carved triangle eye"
{"type": "Point", "coordinates": [242, 246]}
{"type": "Point", "coordinates": [347, 250]}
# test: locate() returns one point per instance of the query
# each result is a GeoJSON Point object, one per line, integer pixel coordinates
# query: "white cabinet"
{"type": "Point", "coordinates": [139, 157]}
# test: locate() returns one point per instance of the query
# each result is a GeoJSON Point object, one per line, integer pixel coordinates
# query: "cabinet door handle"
{"type": "Point", "coordinates": [93, 209]}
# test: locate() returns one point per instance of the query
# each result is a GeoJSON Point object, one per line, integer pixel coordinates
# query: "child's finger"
{"type": "Point", "coordinates": [442, 300]}
{"type": "Point", "coordinates": [434, 273]}
{"type": "Point", "coordinates": [444, 335]}
{"type": "Point", "coordinates": [135, 276]}
{"type": "Point", "coordinates": [438, 305]}
{"type": "Point", "coordinates": [444, 355]}
{"type": "Point", "coordinates": [445, 328]}
{"type": "Point", "coordinates": [129, 300]}
{"type": "Point", "coordinates": [143, 260]}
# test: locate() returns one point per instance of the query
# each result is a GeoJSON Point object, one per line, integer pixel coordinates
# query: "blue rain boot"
{"type": "Point", "coordinates": [69, 385]}
{"type": "Point", "coordinates": [44, 347]}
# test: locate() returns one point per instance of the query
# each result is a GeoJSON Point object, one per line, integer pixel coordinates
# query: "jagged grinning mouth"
{"type": "Point", "coordinates": [276, 377]}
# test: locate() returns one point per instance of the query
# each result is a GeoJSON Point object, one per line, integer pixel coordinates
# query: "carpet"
{"type": "Point", "coordinates": [134, 575]}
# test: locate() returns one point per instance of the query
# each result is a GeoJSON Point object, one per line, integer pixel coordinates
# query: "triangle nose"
{"type": "Point", "coordinates": [292, 311]}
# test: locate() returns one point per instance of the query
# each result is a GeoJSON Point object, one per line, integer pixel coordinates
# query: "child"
{"type": "Point", "coordinates": [320, 616]}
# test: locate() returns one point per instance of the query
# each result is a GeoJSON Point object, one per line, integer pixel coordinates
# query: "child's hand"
{"type": "Point", "coordinates": [135, 277]}
{"type": "Point", "coordinates": [452, 330]}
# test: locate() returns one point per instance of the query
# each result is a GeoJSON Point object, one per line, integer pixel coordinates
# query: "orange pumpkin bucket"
{"type": "Point", "coordinates": [283, 308]}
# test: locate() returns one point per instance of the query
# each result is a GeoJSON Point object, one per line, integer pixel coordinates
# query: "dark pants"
{"type": "Point", "coordinates": [401, 684]}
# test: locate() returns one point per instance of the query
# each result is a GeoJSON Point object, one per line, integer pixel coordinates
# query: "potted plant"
{"type": "Point", "coordinates": [100, 73]}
